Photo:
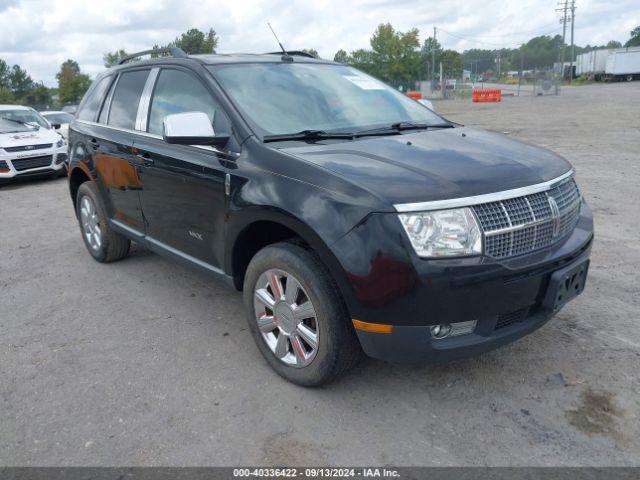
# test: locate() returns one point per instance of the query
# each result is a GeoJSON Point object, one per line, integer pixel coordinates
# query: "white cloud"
{"type": "Point", "coordinates": [39, 35]}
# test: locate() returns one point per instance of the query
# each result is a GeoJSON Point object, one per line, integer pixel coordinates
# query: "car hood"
{"type": "Point", "coordinates": [435, 164]}
{"type": "Point", "coordinates": [35, 137]}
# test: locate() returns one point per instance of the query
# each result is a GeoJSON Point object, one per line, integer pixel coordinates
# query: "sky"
{"type": "Point", "coordinates": [39, 35]}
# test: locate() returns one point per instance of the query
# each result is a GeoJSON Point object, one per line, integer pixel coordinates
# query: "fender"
{"type": "Point", "coordinates": [240, 220]}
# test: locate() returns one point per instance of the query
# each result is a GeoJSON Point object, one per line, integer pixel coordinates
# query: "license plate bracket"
{"type": "Point", "coordinates": [566, 284]}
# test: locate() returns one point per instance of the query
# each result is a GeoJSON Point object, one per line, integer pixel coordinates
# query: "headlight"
{"type": "Point", "coordinates": [60, 143]}
{"type": "Point", "coordinates": [443, 233]}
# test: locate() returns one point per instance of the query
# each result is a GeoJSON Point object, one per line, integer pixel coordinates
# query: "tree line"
{"type": "Point", "coordinates": [18, 87]}
{"type": "Point", "coordinates": [398, 58]}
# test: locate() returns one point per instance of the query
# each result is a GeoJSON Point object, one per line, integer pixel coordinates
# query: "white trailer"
{"type": "Point", "coordinates": [623, 63]}
{"type": "Point", "coordinates": [592, 63]}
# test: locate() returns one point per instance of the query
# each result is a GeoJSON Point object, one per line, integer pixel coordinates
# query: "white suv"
{"type": "Point", "coordinates": [28, 144]}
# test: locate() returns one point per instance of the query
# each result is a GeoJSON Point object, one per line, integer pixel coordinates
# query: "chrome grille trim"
{"type": "Point", "coordinates": [478, 199]}
{"type": "Point", "coordinates": [548, 217]}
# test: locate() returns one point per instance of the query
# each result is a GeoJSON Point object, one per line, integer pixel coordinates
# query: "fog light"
{"type": "Point", "coordinates": [452, 330]}
{"type": "Point", "coordinates": [440, 331]}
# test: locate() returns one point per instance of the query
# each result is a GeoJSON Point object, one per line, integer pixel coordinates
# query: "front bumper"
{"type": "Point", "coordinates": [505, 298]}
{"type": "Point", "coordinates": [415, 345]}
{"type": "Point", "coordinates": [37, 162]}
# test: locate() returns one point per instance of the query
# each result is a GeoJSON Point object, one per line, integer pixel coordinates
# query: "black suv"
{"type": "Point", "coordinates": [352, 217]}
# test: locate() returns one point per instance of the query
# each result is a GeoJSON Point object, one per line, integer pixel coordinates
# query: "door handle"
{"type": "Point", "coordinates": [94, 143]}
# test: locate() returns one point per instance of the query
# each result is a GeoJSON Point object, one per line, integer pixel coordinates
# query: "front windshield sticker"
{"type": "Point", "coordinates": [363, 82]}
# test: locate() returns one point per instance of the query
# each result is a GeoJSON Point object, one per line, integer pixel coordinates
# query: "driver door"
{"type": "Point", "coordinates": [183, 201]}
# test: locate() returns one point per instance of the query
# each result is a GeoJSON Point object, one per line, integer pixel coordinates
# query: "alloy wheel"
{"type": "Point", "coordinates": [286, 318]}
{"type": "Point", "coordinates": [90, 223]}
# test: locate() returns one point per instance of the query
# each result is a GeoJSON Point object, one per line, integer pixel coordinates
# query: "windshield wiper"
{"type": "Point", "coordinates": [398, 127]}
{"type": "Point", "coordinates": [306, 135]}
{"type": "Point", "coordinates": [22, 122]}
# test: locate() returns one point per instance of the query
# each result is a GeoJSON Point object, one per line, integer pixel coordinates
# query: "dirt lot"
{"type": "Point", "coordinates": [144, 362]}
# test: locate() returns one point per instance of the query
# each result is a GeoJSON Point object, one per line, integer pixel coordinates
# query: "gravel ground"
{"type": "Point", "coordinates": [144, 362]}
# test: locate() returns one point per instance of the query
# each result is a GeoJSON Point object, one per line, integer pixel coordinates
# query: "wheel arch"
{"type": "Point", "coordinates": [253, 230]}
{"type": "Point", "coordinates": [77, 177]}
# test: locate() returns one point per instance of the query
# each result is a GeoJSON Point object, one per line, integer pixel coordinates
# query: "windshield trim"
{"type": "Point", "coordinates": [260, 133]}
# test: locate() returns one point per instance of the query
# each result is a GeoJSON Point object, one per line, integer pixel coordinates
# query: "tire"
{"type": "Point", "coordinates": [337, 349]}
{"type": "Point", "coordinates": [629, 78]}
{"type": "Point", "coordinates": [112, 246]}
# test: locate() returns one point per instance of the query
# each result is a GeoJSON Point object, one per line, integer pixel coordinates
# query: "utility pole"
{"type": "Point", "coordinates": [573, 17]}
{"type": "Point", "coordinates": [433, 60]}
{"type": "Point", "coordinates": [563, 8]}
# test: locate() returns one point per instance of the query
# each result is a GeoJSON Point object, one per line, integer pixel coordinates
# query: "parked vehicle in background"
{"type": "Point", "coordinates": [72, 109]}
{"type": "Point", "coordinates": [28, 146]}
{"type": "Point", "coordinates": [353, 218]}
{"type": "Point", "coordinates": [593, 63]}
{"type": "Point", "coordinates": [59, 120]}
{"type": "Point", "coordinates": [623, 64]}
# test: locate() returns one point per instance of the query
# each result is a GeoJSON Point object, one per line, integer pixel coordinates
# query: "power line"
{"type": "Point", "coordinates": [521, 32]}
{"type": "Point", "coordinates": [502, 44]}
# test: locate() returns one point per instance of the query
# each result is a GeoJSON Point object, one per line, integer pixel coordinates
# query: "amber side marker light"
{"type": "Point", "coordinates": [372, 327]}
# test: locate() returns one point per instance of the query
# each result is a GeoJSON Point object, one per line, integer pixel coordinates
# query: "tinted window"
{"type": "Point", "coordinates": [104, 113]}
{"type": "Point", "coordinates": [93, 101]}
{"type": "Point", "coordinates": [124, 106]}
{"type": "Point", "coordinates": [178, 92]}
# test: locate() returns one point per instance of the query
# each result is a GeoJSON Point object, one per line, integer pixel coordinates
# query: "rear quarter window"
{"type": "Point", "coordinates": [92, 103]}
{"type": "Point", "coordinates": [126, 98]}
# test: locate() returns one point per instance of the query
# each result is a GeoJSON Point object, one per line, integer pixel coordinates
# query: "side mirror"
{"type": "Point", "coordinates": [55, 126]}
{"type": "Point", "coordinates": [190, 128]}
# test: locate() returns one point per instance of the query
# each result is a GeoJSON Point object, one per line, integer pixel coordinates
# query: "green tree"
{"type": "Point", "coordinates": [395, 55]}
{"type": "Point", "coordinates": [451, 64]}
{"type": "Point", "coordinates": [634, 41]}
{"type": "Point", "coordinates": [19, 81]}
{"type": "Point", "coordinates": [429, 46]}
{"type": "Point", "coordinates": [72, 84]}
{"type": "Point", "coordinates": [341, 56]}
{"type": "Point", "coordinates": [362, 59]}
{"type": "Point", "coordinates": [112, 58]}
{"type": "Point", "coordinates": [5, 95]}
{"type": "Point", "coordinates": [614, 44]}
{"type": "Point", "coordinates": [5, 71]}
{"type": "Point", "coordinates": [39, 96]}
{"type": "Point", "coordinates": [194, 41]}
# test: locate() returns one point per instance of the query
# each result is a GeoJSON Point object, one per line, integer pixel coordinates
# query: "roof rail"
{"type": "Point", "coordinates": [172, 51]}
{"type": "Point", "coordinates": [293, 53]}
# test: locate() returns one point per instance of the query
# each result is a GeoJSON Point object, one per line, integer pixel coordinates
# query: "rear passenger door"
{"type": "Point", "coordinates": [110, 138]}
{"type": "Point", "coordinates": [183, 199]}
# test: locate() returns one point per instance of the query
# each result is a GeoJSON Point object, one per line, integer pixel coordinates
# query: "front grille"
{"type": "Point", "coordinates": [26, 148]}
{"type": "Point", "coordinates": [511, 318]}
{"type": "Point", "coordinates": [523, 224]}
{"type": "Point", "coordinates": [21, 164]}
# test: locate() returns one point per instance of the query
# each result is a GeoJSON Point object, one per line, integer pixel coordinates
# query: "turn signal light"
{"type": "Point", "coordinates": [372, 327]}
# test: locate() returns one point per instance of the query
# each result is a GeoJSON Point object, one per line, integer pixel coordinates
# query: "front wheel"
{"type": "Point", "coordinates": [297, 316]}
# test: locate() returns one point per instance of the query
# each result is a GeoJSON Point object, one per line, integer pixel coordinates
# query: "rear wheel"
{"type": "Point", "coordinates": [629, 78]}
{"type": "Point", "coordinates": [104, 244]}
{"type": "Point", "coordinates": [297, 316]}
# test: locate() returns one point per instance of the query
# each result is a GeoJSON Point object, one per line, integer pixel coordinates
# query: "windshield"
{"type": "Point", "coordinates": [58, 118]}
{"type": "Point", "coordinates": [20, 121]}
{"type": "Point", "coordinates": [281, 98]}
